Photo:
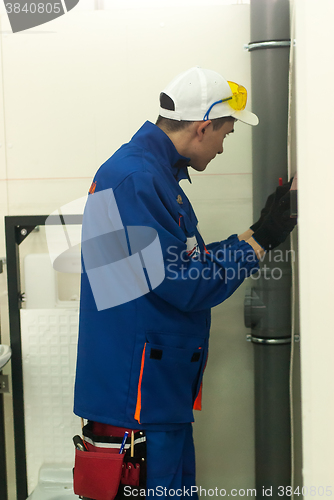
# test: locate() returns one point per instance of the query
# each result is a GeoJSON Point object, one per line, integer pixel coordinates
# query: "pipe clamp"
{"type": "Point", "coordinates": [257, 340]}
{"type": "Point", "coordinates": [267, 45]}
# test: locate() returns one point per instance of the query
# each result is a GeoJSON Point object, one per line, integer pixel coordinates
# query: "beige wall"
{"type": "Point", "coordinates": [73, 91]}
{"type": "Point", "coordinates": [315, 152]}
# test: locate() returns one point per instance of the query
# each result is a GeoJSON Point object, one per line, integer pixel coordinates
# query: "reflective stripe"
{"type": "Point", "coordinates": [138, 406]}
{"type": "Point", "coordinates": [112, 445]}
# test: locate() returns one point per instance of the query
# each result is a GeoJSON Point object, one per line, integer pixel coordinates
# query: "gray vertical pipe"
{"type": "Point", "coordinates": [270, 21]}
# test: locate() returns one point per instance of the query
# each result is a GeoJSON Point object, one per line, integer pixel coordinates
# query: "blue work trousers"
{"type": "Point", "coordinates": [171, 464]}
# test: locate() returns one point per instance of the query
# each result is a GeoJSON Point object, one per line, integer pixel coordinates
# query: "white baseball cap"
{"type": "Point", "coordinates": [202, 94]}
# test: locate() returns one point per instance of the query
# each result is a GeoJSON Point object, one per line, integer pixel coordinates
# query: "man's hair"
{"type": "Point", "coordinates": [175, 125]}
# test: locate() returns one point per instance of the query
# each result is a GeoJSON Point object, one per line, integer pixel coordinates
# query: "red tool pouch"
{"type": "Point", "coordinates": [97, 475]}
{"type": "Point", "coordinates": [101, 473]}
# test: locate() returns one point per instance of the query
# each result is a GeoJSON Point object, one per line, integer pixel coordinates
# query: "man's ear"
{"type": "Point", "coordinates": [201, 129]}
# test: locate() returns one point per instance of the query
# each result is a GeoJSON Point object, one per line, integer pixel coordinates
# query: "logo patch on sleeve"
{"type": "Point", "coordinates": [192, 247]}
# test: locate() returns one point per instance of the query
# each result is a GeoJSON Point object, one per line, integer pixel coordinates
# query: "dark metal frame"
{"type": "Point", "coordinates": [17, 229]}
{"type": "Point", "coordinates": [3, 468]}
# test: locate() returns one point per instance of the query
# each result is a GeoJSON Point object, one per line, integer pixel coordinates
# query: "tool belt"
{"type": "Point", "coordinates": [101, 472]}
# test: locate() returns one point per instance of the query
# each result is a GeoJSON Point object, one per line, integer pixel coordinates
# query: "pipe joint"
{"type": "Point", "coordinates": [258, 340]}
{"type": "Point", "coordinates": [272, 44]}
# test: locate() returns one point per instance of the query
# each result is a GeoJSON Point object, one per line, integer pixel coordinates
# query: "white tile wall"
{"type": "Point", "coordinates": [49, 339]}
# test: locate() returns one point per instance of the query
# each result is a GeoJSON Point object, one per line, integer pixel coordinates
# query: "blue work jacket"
{"type": "Point", "coordinates": [140, 361]}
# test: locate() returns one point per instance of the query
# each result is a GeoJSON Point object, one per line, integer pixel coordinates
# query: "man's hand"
{"type": "Point", "coordinates": [271, 203]}
{"type": "Point", "coordinates": [276, 225]}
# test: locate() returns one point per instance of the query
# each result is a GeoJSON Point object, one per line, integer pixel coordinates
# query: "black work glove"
{"type": "Point", "coordinates": [272, 201]}
{"type": "Point", "coordinates": [276, 225]}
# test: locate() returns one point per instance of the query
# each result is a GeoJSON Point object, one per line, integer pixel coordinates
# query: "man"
{"type": "Point", "coordinates": [144, 325]}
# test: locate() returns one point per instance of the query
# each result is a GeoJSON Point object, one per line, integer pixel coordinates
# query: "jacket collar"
{"type": "Point", "coordinates": [154, 140]}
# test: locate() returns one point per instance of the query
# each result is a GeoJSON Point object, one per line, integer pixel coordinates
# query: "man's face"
{"type": "Point", "coordinates": [210, 144]}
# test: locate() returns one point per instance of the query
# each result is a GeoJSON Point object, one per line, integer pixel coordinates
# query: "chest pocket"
{"type": "Point", "coordinates": [188, 224]}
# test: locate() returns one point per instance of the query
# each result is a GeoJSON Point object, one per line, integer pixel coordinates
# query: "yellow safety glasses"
{"type": "Point", "coordinates": [237, 101]}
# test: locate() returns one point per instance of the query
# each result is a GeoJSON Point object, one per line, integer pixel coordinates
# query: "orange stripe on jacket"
{"type": "Point", "coordinates": [206, 250]}
{"type": "Point", "coordinates": [92, 188]}
{"type": "Point", "coordinates": [138, 405]}
{"type": "Point", "coordinates": [198, 400]}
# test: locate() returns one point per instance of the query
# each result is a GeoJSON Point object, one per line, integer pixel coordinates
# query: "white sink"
{"type": "Point", "coordinates": [5, 354]}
